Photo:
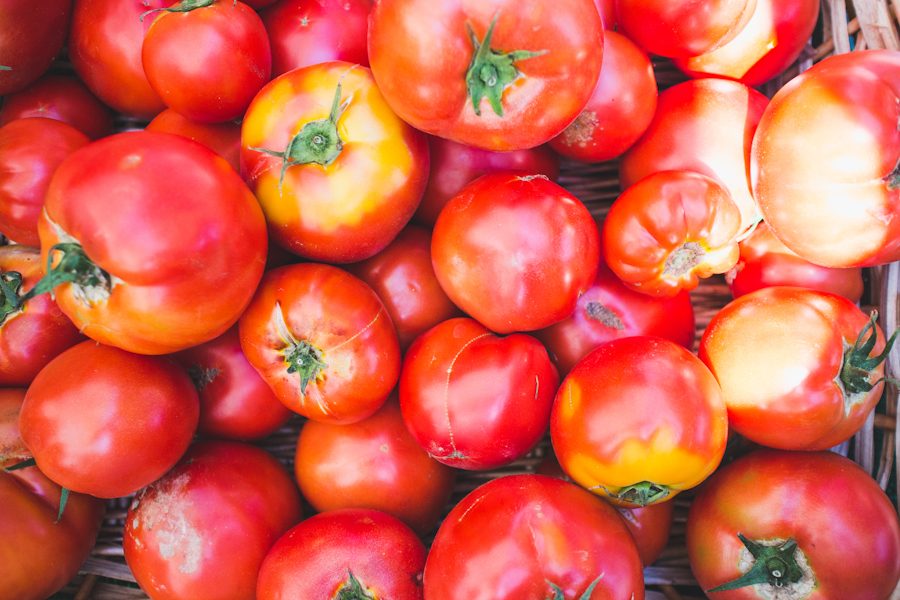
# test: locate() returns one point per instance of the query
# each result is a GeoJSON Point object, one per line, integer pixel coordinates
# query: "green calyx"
{"type": "Point", "coordinates": [892, 179]}
{"type": "Point", "coordinates": [10, 284]}
{"type": "Point", "coordinates": [857, 367]}
{"type": "Point", "coordinates": [22, 465]}
{"type": "Point", "coordinates": [352, 589]}
{"type": "Point", "coordinates": [641, 494]}
{"type": "Point", "coordinates": [64, 497]}
{"type": "Point", "coordinates": [2, 68]}
{"type": "Point", "coordinates": [301, 356]}
{"type": "Point", "coordinates": [74, 267]}
{"type": "Point", "coordinates": [185, 6]}
{"type": "Point", "coordinates": [558, 594]}
{"type": "Point", "coordinates": [490, 71]}
{"type": "Point", "coordinates": [775, 565]}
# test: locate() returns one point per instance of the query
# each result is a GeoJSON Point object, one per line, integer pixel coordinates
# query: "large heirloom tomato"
{"type": "Point", "coordinates": [532, 537]}
{"type": "Point", "coordinates": [31, 35]}
{"type": "Point", "coordinates": [810, 525]}
{"type": "Point", "coordinates": [499, 74]}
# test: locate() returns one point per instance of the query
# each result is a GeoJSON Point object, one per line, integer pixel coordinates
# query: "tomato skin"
{"type": "Point", "coordinates": [30, 38]}
{"type": "Point", "coordinates": [222, 138]}
{"type": "Point", "coordinates": [515, 251]}
{"type": "Point", "coordinates": [842, 521]}
{"type": "Point", "coordinates": [511, 536]}
{"type": "Point", "coordinates": [312, 559]}
{"type": "Point", "coordinates": [490, 413]}
{"type": "Point", "coordinates": [107, 422]}
{"type": "Point", "coordinates": [420, 54]}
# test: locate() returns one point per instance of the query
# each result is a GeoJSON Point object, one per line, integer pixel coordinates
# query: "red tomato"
{"type": "Point", "coordinates": [64, 99]}
{"type": "Point", "coordinates": [30, 151]}
{"type": "Point", "coordinates": [530, 536]}
{"type": "Point", "coordinates": [203, 529]}
{"type": "Point", "coordinates": [39, 551]}
{"type": "Point", "coordinates": [515, 251]}
{"type": "Point", "coordinates": [795, 366]}
{"type": "Point", "coordinates": [308, 32]}
{"type": "Point", "coordinates": [31, 35]}
{"type": "Point", "coordinates": [106, 422]}
{"type": "Point", "coordinates": [403, 277]}
{"type": "Point", "coordinates": [323, 341]}
{"type": "Point", "coordinates": [375, 464]}
{"type": "Point", "coordinates": [467, 395]}
{"type": "Point", "coordinates": [766, 262]}
{"type": "Point", "coordinates": [337, 173]}
{"type": "Point", "coordinates": [607, 9]}
{"type": "Point", "coordinates": [498, 75]}
{"type": "Point", "coordinates": [350, 553]}
{"type": "Point", "coordinates": [670, 229]}
{"type": "Point", "coordinates": [207, 59]}
{"type": "Point", "coordinates": [222, 138]}
{"type": "Point", "coordinates": [609, 310]}
{"type": "Point", "coordinates": [824, 161]}
{"type": "Point", "coordinates": [146, 267]}
{"type": "Point", "coordinates": [639, 420]}
{"type": "Point", "coordinates": [842, 529]}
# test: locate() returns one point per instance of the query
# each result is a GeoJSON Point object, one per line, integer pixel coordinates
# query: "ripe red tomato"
{"type": "Point", "coordinates": [62, 98]}
{"type": "Point", "coordinates": [819, 525]}
{"type": "Point", "coordinates": [222, 138]}
{"type": "Point", "coordinates": [607, 9]}
{"type": "Point", "coordinates": [531, 536]}
{"type": "Point", "coordinates": [31, 35]}
{"type": "Point", "coordinates": [498, 75]}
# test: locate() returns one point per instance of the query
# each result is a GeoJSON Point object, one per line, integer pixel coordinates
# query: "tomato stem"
{"type": "Point", "coordinates": [684, 258]}
{"type": "Point", "coordinates": [352, 589]}
{"type": "Point", "coordinates": [185, 6]}
{"type": "Point", "coordinates": [605, 315]}
{"type": "Point", "coordinates": [857, 366]}
{"type": "Point", "coordinates": [558, 593]}
{"type": "Point", "coordinates": [202, 377]}
{"type": "Point", "coordinates": [74, 267]}
{"type": "Point", "coordinates": [775, 565]}
{"type": "Point", "coordinates": [642, 494]}
{"type": "Point", "coordinates": [893, 178]}
{"type": "Point", "coordinates": [10, 284]}
{"type": "Point", "coordinates": [301, 356]}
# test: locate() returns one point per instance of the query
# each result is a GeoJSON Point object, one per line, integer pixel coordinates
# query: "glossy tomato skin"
{"type": "Point", "coordinates": [788, 366]}
{"type": "Point", "coordinates": [31, 36]}
{"type": "Point", "coordinates": [40, 332]}
{"type": "Point", "coordinates": [515, 251]}
{"type": "Point", "coordinates": [514, 536]}
{"type": "Point", "coordinates": [420, 54]}
{"type": "Point", "coordinates": [373, 464]}
{"type": "Point", "coordinates": [222, 138]}
{"type": "Point", "coordinates": [38, 555]}
{"type": "Point", "coordinates": [343, 320]}
{"type": "Point", "coordinates": [313, 559]}
{"type": "Point", "coordinates": [190, 226]}
{"type": "Point", "coordinates": [844, 525]}
{"type": "Point", "coordinates": [106, 422]}
{"type": "Point", "coordinates": [474, 400]}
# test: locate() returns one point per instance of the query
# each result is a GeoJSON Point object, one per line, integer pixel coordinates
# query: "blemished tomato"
{"type": "Point", "coordinates": [819, 527]}
{"type": "Point", "coordinates": [203, 529]}
{"type": "Point", "coordinates": [31, 35]}
{"type": "Point", "coordinates": [474, 400]}
{"type": "Point", "coordinates": [515, 251]}
{"type": "Point", "coordinates": [534, 537]}
{"type": "Point", "coordinates": [639, 420]}
{"type": "Point", "coordinates": [766, 262]}
{"type": "Point", "coordinates": [824, 162]}
{"type": "Point", "coordinates": [222, 138]}
{"type": "Point", "coordinates": [374, 463]}
{"type": "Point", "coordinates": [323, 341]}
{"type": "Point", "coordinates": [40, 551]}
{"type": "Point", "coordinates": [499, 75]}
{"type": "Point", "coordinates": [106, 422]}
{"type": "Point", "coordinates": [337, 173]}
{"type": "Point", "coordinates": [349, 553]}
{"type": "Point", "coordinates": [144, 269]}
{"type": "Point", "coordinates": [669, 230]}
{"type": "Point", "coordinates": [799, 369]}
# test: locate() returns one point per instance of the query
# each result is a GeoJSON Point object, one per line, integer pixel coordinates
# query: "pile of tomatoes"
{"type": "Point", "coordinates": [348, 210]}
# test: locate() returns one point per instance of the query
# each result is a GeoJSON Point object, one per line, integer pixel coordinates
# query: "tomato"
{"type": "Point", "coordinates": [235, 402]}
{"type": "Point", "coordinates": [530, 537]}
{"type": "Point", "coordinates": [705, 126]}
{"type": "Point", "coordinates": [62, 98]}
{"type": "Point", "coordinates": [497, 75]}
{"type": "Point", "coordinates": [799, 369]}
{"type": "Point", "coordinates": [824, 162]}
{"type": "Point", "coordinates": [620, 109]}
{"type": "Point", "coordinates": [766, 262]}
{"type": "Point", "coordinates": [374, 464]}
{"type": "Point", "coordinates": [350, 553]}
{"type": "Point", "coordinates": [308, 32]}
{"type": "Point", "coordinates": [34, 333]}
{"type": "Point", "coordinates": [31, 35]}
{"type": "Point", "coordinates": [337, 173]}
{"type": "Point", "coordinates": [323, 341]}
{"type": "Point", "coordinates": [467, 395]}
{"type": "Point", "coordinates": [40, 551]}
{"type": "Point", "coordinates": [105, 49]}
{"type": "Point", "coordinates": [670, 229]}
{"type": "Point", "coordinates": [207, 59]}
{"type": "Point", "coordinates": [610, 310]}
{"type": "Point", "coordinates": [106, 422]}
{"type": "Point", "coordinates": [841, 527]}
{"type": "Point", "coordinates": [607, 9]}
{"type": "Point", "coordinates": [145, 268]}
{"type": "Point", "coordinates": [639, 420]}
{"type": "Point", "coordinates": [30, 151]}
{"type": "Point", "coordinates": [203, 529]}
{"type": "Point", "coordinates": [403, 277]}
{"type": "Point", "coordinates": [222, 138]}
{"type": "Point", "coordinates": [515, 251]}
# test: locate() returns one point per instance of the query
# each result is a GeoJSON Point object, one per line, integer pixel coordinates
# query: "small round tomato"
{"type": "Point", "coordinates": [31, 35]}
{"type": "Point", "coordinates": [222, 138]}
